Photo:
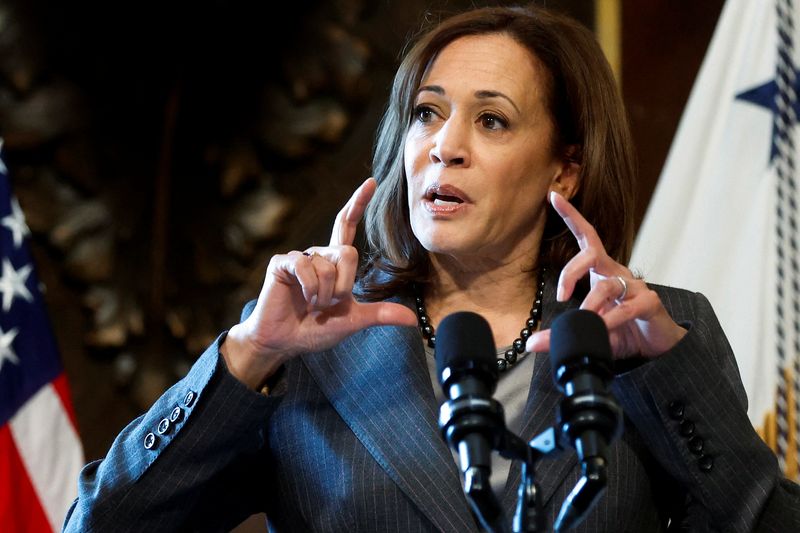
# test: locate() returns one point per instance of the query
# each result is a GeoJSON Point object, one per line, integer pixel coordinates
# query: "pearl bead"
{"type": "Point", "coordinates": [518, 347]}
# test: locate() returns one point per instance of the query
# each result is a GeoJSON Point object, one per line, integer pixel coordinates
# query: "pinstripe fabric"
{"type": "Point", "coordinates": [350, 443]}
{"type": "Point", "coordinates": [199, 460]}
{"type": "Point", "coordinates": [630, 503]}
{"type": "Point", "coordinates": [386, 408]}
{"type": "Point", "coordinates": [701, 373]}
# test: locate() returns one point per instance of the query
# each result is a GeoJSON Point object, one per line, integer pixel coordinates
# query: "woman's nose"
{"type": "Point", "coordinates": [451, 144]}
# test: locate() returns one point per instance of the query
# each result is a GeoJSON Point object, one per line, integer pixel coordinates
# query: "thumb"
{"type": "Point", "coordinates": [538, 342]}
{"type": "Point", "coordinates": [386, 314]}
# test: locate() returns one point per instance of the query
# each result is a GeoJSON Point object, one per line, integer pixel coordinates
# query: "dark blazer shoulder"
{"type": "Point", "coordinates": [686, 306]}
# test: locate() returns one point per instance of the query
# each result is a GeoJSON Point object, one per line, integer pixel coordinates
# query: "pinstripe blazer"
{"type": "Point", "coordinates": [349, 442]}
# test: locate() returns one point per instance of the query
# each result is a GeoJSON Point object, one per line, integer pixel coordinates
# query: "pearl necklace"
{"type": "Point", "coordinates": [517, 347]}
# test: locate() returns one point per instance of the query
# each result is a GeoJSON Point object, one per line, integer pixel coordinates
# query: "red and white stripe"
{"type": "Point", "coordinates": [40, 459]}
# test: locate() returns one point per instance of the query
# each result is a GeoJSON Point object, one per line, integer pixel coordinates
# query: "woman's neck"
{"type": "Point", "coordinates": [501, 292]}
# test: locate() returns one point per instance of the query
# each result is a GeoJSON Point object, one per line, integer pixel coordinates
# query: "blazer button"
{"type": "Point", "coordinates": [149, 441]}
{"type": "Point", "coordinates": [189, 399]}
{"type": "Point", "coordinates": [687, 428]}
{"type": "Point", "coordinates": [163, 426]}
{"type": "Point", "coordinates": [176, 414]}
{"type": "Point", "coordinates": [696, 445]}
{"type": "Point", "coordinates": [675, 410]}
{"type": "Point", "coordinates": [706, 463]}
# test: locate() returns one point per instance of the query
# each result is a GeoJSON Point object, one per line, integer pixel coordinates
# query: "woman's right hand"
{"type": "Point", "coordinates": [306, 303]}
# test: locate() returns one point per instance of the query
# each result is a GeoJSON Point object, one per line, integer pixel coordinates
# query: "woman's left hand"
{"type": "Point", "coordinates": [636, 319]}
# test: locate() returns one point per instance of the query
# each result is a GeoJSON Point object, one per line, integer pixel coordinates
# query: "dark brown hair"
{"type": "Point", "coordinates": [588, 116]}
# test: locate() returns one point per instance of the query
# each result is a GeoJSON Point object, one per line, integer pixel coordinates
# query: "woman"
{"type": "Point", "coordinates": [503, 126]}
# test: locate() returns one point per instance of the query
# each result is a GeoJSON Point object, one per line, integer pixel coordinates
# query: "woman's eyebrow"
{"type": "Point", "coordinates": [432, 88]}
{"type": "Point", "coordinates": [496, 94]}
{"type": "Point", "coordinates": [478, 94]}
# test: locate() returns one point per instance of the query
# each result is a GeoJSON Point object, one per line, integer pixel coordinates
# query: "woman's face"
{"type": "Point", "coordinates": [478, 154]}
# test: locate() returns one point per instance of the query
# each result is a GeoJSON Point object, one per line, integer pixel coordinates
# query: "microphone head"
{"type": "Point", "coordinates": [464, 344]}
{"type": "Point", "coordinates": [577, 334]}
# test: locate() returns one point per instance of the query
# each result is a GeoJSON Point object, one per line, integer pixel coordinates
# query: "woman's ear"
{"type": "Point", "coordinates": [566, 181]}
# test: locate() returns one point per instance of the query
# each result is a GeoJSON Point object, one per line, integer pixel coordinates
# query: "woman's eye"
{"type": "Point", "coordinates": [493, 122]}
{"type": "Point", "coordinates": [423, 113]}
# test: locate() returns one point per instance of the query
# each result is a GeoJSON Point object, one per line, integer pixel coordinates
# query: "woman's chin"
{"type": "Point", "coordinates": [449, 247]}
{"type": "Point", "coordinates": [458, 242]}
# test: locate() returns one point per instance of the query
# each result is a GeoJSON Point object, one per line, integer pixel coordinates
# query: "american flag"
{"type": "Point", "coordinates": [40, 452]}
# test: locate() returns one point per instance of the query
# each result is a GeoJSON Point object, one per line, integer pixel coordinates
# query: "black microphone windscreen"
{"type": "Point", "coordinates": [464, 339]}
{"type": "Point", "coordinates": [578, 333]}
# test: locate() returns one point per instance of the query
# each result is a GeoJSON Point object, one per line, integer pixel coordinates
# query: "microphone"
{"type": "Point", "coordinates": [471, 421]}
{"type": "Point", "coordinates": [588, 416]}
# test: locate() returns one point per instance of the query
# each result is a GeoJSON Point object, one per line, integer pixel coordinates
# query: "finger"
{"type": "Point", "coordinates": [346, 269]}
{"type": "Point", "coordinates": [345, 258]}
{"type": "Point", "coordinates": [295, 268]}
{"type": "Point", "coordinates": [538, 342]}
{"type": "Point", "coordinates": [591, 258]}
{"type": "Point", "coordinates": [575, 269]}
{"type": "Point", "coordinates": [584, 232]}
{"type": "Point", "coordinates": [385, 314]}
{"type": "Point", "coordinates": [325, 271]}
{"type": "Point", "coordinates": [604, 293]}
{"type": "Point", "coordinates": [346, 224]}
{"type": "Point", "coordinates": [643, 306]}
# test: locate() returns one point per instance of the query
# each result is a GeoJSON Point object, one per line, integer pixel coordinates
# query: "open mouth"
{"type": "Point", "coordinates": [445, 195]}
{"type": "Point", "coordinates": [444, 199]}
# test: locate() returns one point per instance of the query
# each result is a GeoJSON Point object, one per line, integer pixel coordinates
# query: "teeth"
{"type": "Point", "coordinates": [439, 201]}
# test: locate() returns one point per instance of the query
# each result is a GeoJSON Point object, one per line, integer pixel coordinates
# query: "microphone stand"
{"type": "Point", "coordinates": [458, 418]}
{"type": "Point", "coordinates": [588, 419]}
{"type": "Point", "coordinates": [468, 414]}
{"type": "Point", "coordinates": [529, 516]}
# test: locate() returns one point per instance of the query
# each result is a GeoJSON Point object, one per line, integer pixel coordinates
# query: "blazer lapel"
{"type": "Point", "coordinates": [378, 381]}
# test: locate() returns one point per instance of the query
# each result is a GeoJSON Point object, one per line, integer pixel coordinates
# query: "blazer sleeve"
{"type": "Point", "coordinates": [691, 408]}
{"type": "Point", "coordinates": [193, 462]}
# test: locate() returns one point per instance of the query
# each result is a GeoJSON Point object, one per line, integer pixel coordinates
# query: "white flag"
{"type": "Point", "coordinates": [714, 219]}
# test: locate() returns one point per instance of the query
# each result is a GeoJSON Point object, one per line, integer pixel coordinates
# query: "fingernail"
{"type": "Point", "coordinates": [552, 197]}
{"type": "Point", "coordinates": [529, 344]}
{"type": "Point", "coordinates": [313, 300]}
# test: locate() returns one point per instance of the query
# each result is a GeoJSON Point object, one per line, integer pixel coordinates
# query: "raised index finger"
{"type": "Point", "coordinates": [584, 232]}
{"type": "Point", "coordinates": [592, 258]}
{"type": "Point", "coordinates": [344, 228]}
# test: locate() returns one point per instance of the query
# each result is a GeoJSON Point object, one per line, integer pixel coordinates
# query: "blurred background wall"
{"type": "Point", "coordinates": [163, 151]}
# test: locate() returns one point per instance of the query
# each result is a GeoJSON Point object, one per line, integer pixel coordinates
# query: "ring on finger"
{"type": "Point", "coordinates": [310, 254]}
{"type": "Point", "coordinates": [618, 299]}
